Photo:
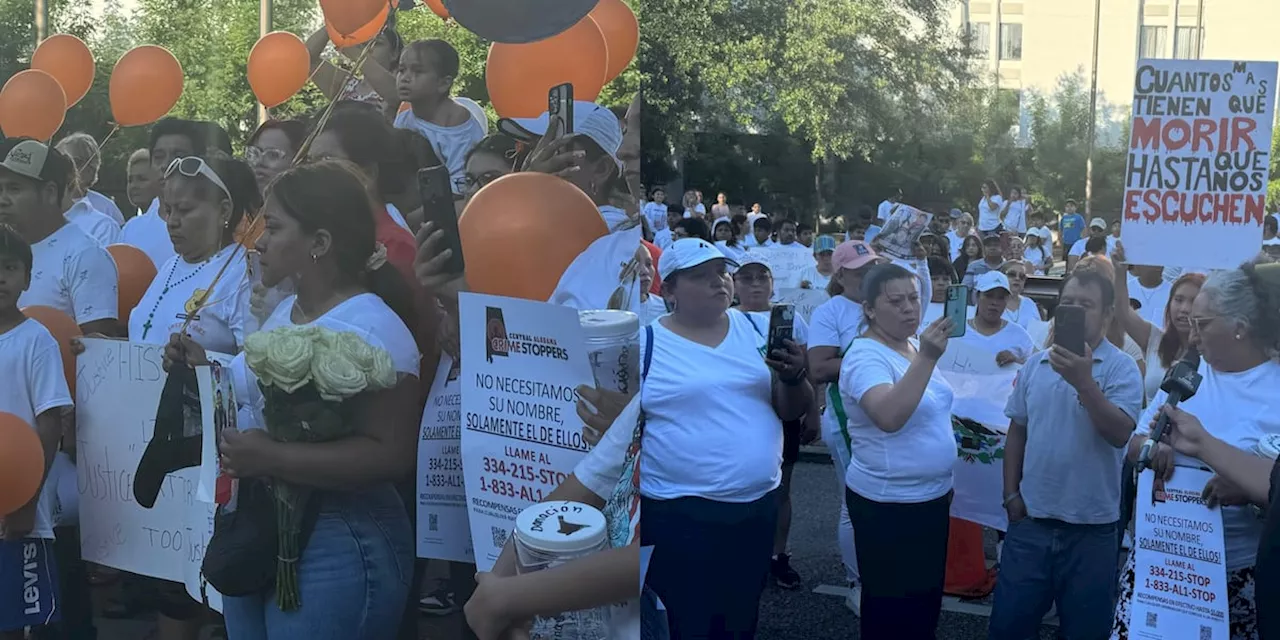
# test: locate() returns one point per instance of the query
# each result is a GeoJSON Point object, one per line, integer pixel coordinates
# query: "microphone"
{"type": "Point", "coordinates": [1181, 383]}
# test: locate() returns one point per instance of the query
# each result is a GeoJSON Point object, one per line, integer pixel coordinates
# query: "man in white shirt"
{"type": "Point", "coordinates": [1148, 286]}
{"type": "Point", "coordinates": [1097, 229]}
{"type": "Point", "coordinates": [71, 272]}
{"type": "Point", "coordinates": [886, 207]}
{"type": "Point", "coordinates": [143, 183]}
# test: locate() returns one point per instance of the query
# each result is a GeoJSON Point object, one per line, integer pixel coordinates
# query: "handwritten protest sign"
{"type": "Point", "coordinates": [444, 530]}
{"type": "Point", "coordinates": [522, 362]}
{"type": "Point", "coordinates": [805, 300]}
{"type": "Point", "coordinates": [1180, 579]}
{"type": "Point", "coordinates": [786, 263]}
{"type": "Point", "coordinates": [981, 389]}
{"type": "Point", "coordinates": [118, 390]}
{"type": "Point", "coordinates": [1199, 159]}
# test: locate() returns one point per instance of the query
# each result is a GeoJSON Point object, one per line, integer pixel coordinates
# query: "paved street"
{"type": "Point", "coordinates": [817, 610]}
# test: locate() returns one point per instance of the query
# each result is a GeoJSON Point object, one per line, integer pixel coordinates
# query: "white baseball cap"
{"type": "Point", "coordinates": [751, 258]}
{"type": "Point", "coordinates": [991, 280]}
{"type": "Point", "coordinates": [1097, 223]}
{"type": "Point", "coordinates": [687, 253]}
{"type": "Point", "coordinates": [589, 119]}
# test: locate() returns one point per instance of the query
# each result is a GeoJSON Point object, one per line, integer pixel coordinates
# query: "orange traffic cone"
{"type": "Point", "coordinates": [967, 572]}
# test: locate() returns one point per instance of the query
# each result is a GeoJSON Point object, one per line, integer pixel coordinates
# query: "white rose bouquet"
{"type": "Point", "coordinates": [306, 374]}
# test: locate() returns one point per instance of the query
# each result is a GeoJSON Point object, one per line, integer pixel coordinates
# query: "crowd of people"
{"type": "Point", "coordinates": [1076, 423]}
{"type": "Point", "coordinates": [329, 205]}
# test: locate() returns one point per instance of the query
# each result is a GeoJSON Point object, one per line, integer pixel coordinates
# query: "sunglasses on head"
{"type": "Point", "coordinates": [191, 166]}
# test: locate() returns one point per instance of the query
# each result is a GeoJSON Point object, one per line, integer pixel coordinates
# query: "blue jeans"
{"type": "Point", "coordinates": [1048, 562]}
{"type": "Point", "coordinates": [354, 576]}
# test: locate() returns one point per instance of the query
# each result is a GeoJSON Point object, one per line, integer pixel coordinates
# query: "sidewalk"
{"type": "Point", "coordinates": [816, 453]}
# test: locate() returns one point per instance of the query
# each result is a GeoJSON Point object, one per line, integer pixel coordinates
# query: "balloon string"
{"type": "Point", "coordinates": [114, 128]}
{"type": "Point", "coordinates": [324, 118]}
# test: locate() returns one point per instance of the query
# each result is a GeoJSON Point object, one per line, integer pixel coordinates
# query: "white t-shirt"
{"type": "Point", "coordinates": [1153, 301]}
{"type": "Point", "coordinates": [652, 309]}
{"type": "Point", "coordinates": [912, 464]}
{"type": "Point", "coordinates": [720, 439]}
{"type": "Point", "coordinates": [698, 209]}
{"type": "Point", "coordinates": [150, 233]}
{"type": "Point", "coordinates": [1027, 315]}
{"type": "Point", "coordinates": [219, 327]}
{"type": "Point", "coordinates": [656, 213]}
{"type": "Point", "coordinates": [1010, 337]}
{"type": "Point", "coordinates": [816, 280]}
{"type": "Point", "coordinates": [74, 274]}
{"type": "Point", "coordinates": [956, 243]}
{"type": "Point", "coordinates": [587, 283]}
{"type": "Point", "coordinates": [451, 144]}
{"type": "Point", "coordinates": [988, 216]}
{"type": "Point", "coordinates": [398, 217]}
{"type": "Point", "coordinates": [34, 382]}
{"type": "Point", "coordinates": [885, 210]}
{"type": "Point", "coordinates": [834, 323]}
{"type": "Point", "coordinates": [604, 472]}
{"type": "Point", "coordinates": [1036, 256]}
{"type": "Point", "coordinates": [105, 205]}
{"type": "Point", "coordinates": [1239, 409]}
{"type": "Point", "coordinates": [733, 253]}
{"type": "Point", "coordinates": [95, 223]}
{"type": "Point", "coordinates": [365, 315]}
{"type": "Point", "coordinates": [1155, 369]}
{"type": "Point", "coordinates": [1077, 249]}
{"type": "Point", "coordinates": [1015, 219]}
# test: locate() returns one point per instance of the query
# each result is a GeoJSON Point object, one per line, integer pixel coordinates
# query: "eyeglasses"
{"type": "Point", "coordinates": [258, 155]}
{"type": "Point", "coordinates": [191, 166]}
{"type": "Point", "coordinates": [1199, 323]}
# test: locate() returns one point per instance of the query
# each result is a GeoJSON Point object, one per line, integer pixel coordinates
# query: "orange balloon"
{"type": "Point", "coordinates": [63, 328]}
{"type": "Point", "coordinates": [68, 59]}
{"type": "Point", "coordinates": [437, 7]}
{"type": "Point", "coordinates": [279, 66]}
{"type": "Point", "coordinates": [361, 35]}
{"type": "Point", "coordinates": [520, 75]}
{"type": "Point", "coordinates": [521, 231]}
{"type": "Point", "coordinates": [145, 84]}
{"type": "Point", "coordinates": [348, 16]}
{"type": "Point", "coordinates": [32, 104]}
{"type": "Point", "coordinates": [621, 34]}
{"type": "Point", "coordinates": [134, 273]}
{"type": "Point", "coordinates": [21, 463]}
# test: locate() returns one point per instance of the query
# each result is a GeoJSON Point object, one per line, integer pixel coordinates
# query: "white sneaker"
{"type": "Point", "coordinates": [853, 599]}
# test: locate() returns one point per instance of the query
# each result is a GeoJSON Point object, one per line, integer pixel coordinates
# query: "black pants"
{"type": "Point", "coordinates": [710, 563]}
{"type": "Point", "coordinates": [902, 559]}
{"type": "Point", "coordinates": [73, 583]}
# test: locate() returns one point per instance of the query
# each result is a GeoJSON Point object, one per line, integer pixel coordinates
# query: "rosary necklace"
{"type": "Point", "coordinates": [168, 284]}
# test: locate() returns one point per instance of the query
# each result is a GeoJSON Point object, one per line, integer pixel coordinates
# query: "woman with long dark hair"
{"type": "Point", "coordinates": [1162, 347]}
{"type": "Point", "coordinates": [355, 570]}
{"type": "Point", "coordinates": [990, 208]}
{"type": "Point", "coordinates": [970, 251]}
{"type": "Point", "coordinates": [272, 148]}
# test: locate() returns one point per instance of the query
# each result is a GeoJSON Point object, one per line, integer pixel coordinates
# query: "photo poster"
{"type": "Point", "coordinates": [444, 528]}
{"type": "Point", "coordinates": [786, 264]}
{"type": "Point", "coordinates": [981, 390]}
{"type": "Point", "coordinates": [1180, 575]}
{"type": "Point", "coordinates": [805, 300]}
{"type": "Point", "coordinates": [521, 437]}
{"type": "Point", "coordinates": [118, 387]}
{"type": "Point", "coordinates": [1199, 162]}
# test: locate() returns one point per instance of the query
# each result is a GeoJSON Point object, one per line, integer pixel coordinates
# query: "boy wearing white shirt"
{"type": "Point", "coordinates": [425, 80]}
{"type": "Point", "coordinates": [656, 210]}
{"type": "Point", "coordinates": [35, 390]}
{"type": "Point", "coordinates": [70, 271]}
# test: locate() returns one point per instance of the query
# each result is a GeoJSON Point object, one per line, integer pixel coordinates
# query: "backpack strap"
{"type": "Point", "coordinates": [648, 351]}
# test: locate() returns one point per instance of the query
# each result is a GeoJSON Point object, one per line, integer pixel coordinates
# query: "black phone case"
{"type": "Point", "coordinates": [437, 207]}
{"type": "Point", "coordinates": [1068, 328]}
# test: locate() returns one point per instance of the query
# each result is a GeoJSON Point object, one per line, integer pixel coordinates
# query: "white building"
{"type": "Point", "coordinates": [1030, 44]}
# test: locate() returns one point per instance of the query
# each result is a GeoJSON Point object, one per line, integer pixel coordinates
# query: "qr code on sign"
{"type": "Point", "coordinates": [1151, 619]}
{"type": "Point", "coordinates": [1206, 632]}
{"type": "Point", "coordinates": [499, 536]}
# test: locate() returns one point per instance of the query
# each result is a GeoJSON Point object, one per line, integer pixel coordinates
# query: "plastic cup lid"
{"type": "Point", "coordinates": [600, 323]}
{"type": "Point", "coordinates": [561, 527]}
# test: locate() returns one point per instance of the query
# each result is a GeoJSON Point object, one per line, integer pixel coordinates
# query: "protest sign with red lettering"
{"type": "Point", "coordinates": [1199, 161]}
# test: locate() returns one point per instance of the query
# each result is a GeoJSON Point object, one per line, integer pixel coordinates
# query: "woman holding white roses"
{"type": "Point", "coordinates": [356, 561]}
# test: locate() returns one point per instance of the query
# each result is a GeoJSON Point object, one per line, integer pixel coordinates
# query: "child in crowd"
{"type": "Point", "coordinates": [35, 391]}
{"type": "Point", "coordinates": [425, 81]}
